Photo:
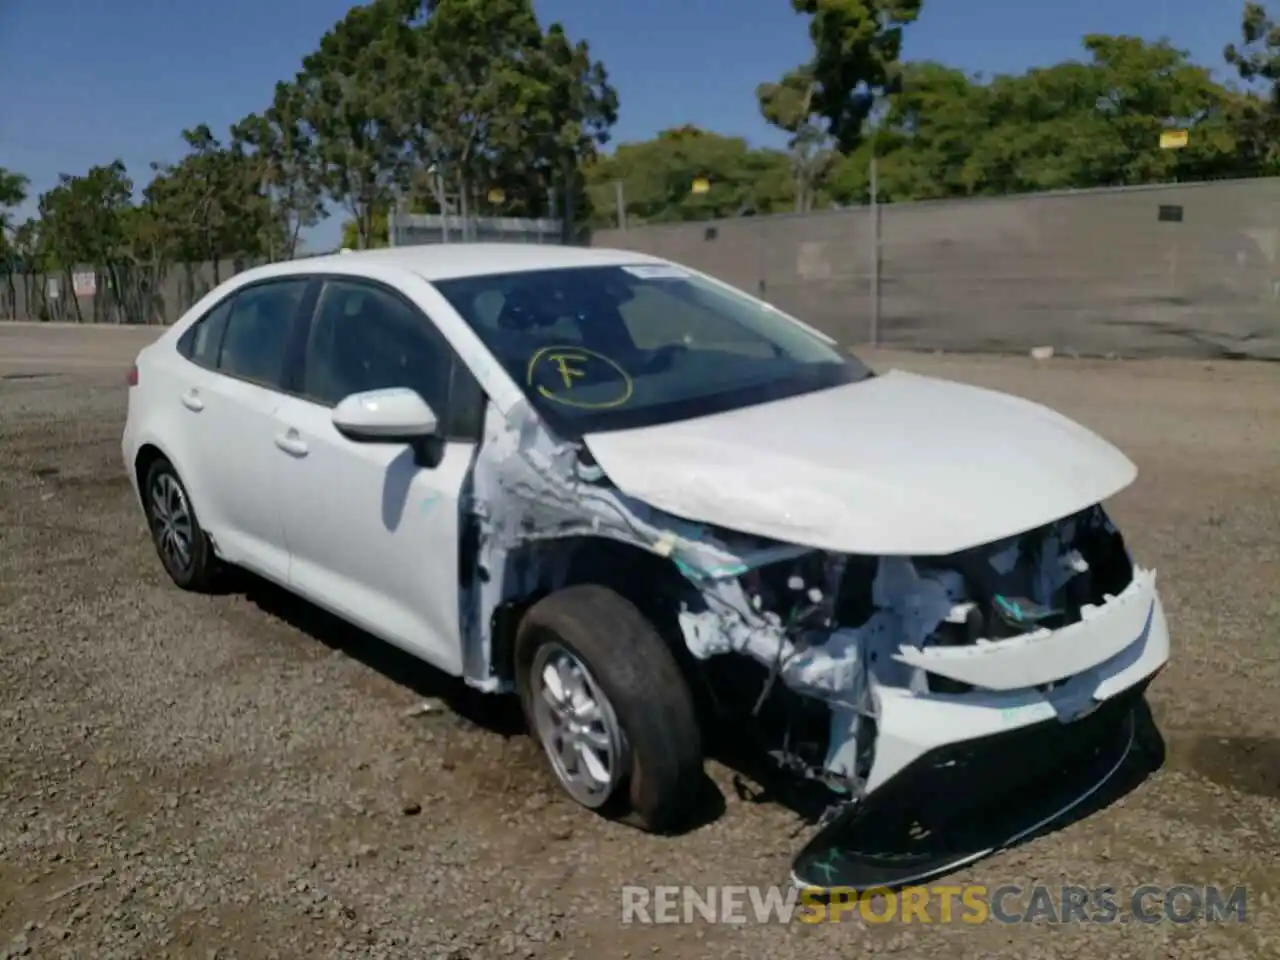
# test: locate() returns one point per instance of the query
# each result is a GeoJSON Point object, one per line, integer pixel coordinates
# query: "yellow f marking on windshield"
{"type": "Point", "coordinates": [576, 363]}
{"type": "Point", "coordinates": [567, 373]}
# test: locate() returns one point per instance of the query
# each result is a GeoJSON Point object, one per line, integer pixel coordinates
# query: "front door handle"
{"type": "Point", "coordinates": [191, 400]}
{"type": "Point", "coordinates": [291, 443]}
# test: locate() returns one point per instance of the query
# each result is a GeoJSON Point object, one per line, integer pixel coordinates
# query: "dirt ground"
{"type": "Point", "coordinates": [242, 776]}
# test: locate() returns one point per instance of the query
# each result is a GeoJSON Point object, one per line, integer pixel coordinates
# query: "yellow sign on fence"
{"type": "Point", "coordinates": [1173, 139]}
{"type": "Point", "coordinates": [700, 185]}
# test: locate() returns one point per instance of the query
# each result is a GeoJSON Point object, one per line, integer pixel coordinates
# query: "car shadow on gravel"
{"type": "Point", "coordinates": [500, 715]}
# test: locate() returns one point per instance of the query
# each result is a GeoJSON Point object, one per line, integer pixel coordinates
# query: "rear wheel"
{"type": "Point", "coordinates": [603, 695]}
{"type": "Point", "coordinates": [181, 543]}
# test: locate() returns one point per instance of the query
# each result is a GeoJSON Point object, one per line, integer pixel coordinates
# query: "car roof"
{"type": "Point", "coordinates": [447, 261]}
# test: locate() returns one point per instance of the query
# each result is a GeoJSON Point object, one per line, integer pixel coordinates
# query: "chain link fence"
{"type": "Point", "coordinates": [147, 293]}
{"type": "Point", "coordinates": [1169, 270]}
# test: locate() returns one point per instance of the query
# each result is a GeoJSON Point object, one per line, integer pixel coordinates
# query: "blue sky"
{"type": "Point", "coordinates": [85, 81]}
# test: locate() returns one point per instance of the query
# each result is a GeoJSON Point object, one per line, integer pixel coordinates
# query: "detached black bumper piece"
{"type": "Point", "coordinates": [963, 801]}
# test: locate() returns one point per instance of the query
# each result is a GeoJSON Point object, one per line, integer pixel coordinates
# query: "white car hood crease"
{"type": "Point", "coordinates": [900, 464]}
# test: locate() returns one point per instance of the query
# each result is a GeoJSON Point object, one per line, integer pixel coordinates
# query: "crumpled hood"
{"type": "Point", "coordinates": [900, 464]}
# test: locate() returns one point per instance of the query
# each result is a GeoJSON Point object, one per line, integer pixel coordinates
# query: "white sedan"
{"type": "Point", "coordinates": [639, 497]}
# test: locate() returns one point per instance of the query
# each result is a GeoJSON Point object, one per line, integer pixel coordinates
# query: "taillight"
{"type": "Point", "coordinates": [131, 378]}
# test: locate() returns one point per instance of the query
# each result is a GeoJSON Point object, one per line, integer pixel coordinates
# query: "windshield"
{"type": "Point", "coordinates": [617, 347]}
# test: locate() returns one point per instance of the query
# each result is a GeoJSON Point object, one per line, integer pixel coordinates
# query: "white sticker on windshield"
{"type": "Point", "coordinates": [657, 271]}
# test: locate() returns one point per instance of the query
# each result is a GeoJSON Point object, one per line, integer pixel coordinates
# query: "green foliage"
{"type": "Point", "coordinates": [379, 234]}
{"type": "Point", "coordinates": [1073, 125]}
{"type": "Point", "coordinates": [1255, 113]}
{"type": "Point", "coordinates": [659, 176]}
{"type": "Point", "coordinates": [286, 165]}
{"type": "Point", "coordinates": [211, 204]}
{"type": "Point", "coordinates": [857, 51]}
{"type": "Point", "coordinates": [1258, 58]}
{"type": "Point", "coordinates": [789, 105]}
{"type": "Point", "coordinates": [13, 192]}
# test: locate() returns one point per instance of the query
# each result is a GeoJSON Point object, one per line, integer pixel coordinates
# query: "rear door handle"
{"type": "Point", "coordinates": [291, 443]}
{"type": "Point", "coordinates": [191, 400]}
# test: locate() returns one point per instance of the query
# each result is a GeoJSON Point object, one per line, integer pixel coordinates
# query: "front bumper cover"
{"type": "Point", "coordinates": [962, 801]}
{"type": "Point", "coordinates": [957, 776]}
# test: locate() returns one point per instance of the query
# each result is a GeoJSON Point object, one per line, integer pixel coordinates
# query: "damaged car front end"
{"type": "Point", "coordinates": [906, 589]}
{"type": "Point", "coordinates": [868, 674]}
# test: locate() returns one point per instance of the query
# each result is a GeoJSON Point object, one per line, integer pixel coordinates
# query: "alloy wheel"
{"type": "Point", "coordinates": [577, 725]}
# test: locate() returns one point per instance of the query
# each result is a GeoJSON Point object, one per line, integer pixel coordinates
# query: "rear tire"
{"type": "Point", "coordinates": [181, 543]}
{"type": "Point", "coordinates": [631, 728]}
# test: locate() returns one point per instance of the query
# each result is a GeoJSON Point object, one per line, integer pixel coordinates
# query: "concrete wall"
{"type": "Point", "coordinates": [1095, 272]}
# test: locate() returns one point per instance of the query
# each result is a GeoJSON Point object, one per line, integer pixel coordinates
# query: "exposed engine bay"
{"type": "Point", "coordinates": [805, 642]}
{"type": "Point", "coordinates": [839, 627]}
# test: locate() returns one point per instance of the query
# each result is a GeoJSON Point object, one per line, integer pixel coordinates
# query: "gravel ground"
{"type": "Point", "coordinates": [241, 776]}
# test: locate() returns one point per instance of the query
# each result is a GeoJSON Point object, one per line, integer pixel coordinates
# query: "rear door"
{"type": "Point", "coordinates": [230, 401]}
{"type": "Point", "coordinates": [373, 528]}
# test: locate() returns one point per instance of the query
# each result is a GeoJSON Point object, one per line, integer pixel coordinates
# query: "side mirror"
{"type": "Point", "coordinates": [396, 415]}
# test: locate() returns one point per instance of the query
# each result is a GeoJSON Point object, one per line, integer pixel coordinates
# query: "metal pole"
{"type": "Point", "coordinates": [443, 202]}
{"type": "Point", "coordinates": [569, 211]}
{"type": "Point", "coordinates": [875, 256]}
{"type": "Point", "coordinates": [554, 212]}
{"type": "Point", "coordinates": [620, 201]}
{"type": "Point", "coordinates": [762, 264]}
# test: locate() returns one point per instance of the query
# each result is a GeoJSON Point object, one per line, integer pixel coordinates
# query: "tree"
{"type": "Point", "coordinates": [788, 105]}
{"type": "Point", "coordinates": [659, 174]}
{"type": "Point", "coordinates": [924, 143]}
{"type": "Point", "coordinates": [85, 222]}
{"type": "Point", "coordinates": [1255, 113]}
{"type": "Point", "coordinates": [286, 164]}
{"type": "Point", "coordinates": [857, 48]}
{"type": "Point", "coordinates": [501, 103]}
{"type": "Point", "coordinates": [571, 121]}
{"type": "Point", "coordinates": [475, 81]}
{"type": "Point", "coordinates": [1258, 59]}
{"type": "Point", "coordinates": [13, 192]}
{"type": "Point", "coordinates": [352, 97]}
{"type": "Point", "coordinates": [1146, 88]}
{"type": "Point", "coordinates": [483, 99]}
{"type": "Point", "coordinates": [1071, 125]}
{"type": "Point", "coordinates": [211, 205]}
{"type": "Point", "coordinates": [378, 231]}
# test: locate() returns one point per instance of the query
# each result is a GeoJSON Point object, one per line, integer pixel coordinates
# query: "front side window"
{"type": "Point", "coordinates": [616, 347]}
{"type": "Point", "coordinates": [365, 337]}
{"type": "Point", "coordinates": [257, 336]}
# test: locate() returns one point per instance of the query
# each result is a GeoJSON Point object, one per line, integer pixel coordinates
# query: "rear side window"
{"type": "Point", "coordinates": [258, 329]}
{"type": "Point", "coordinates": [201, 341]}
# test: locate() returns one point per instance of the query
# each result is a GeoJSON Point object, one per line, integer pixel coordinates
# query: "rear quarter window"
{"type": "Point", "coordinates": [202, 340]}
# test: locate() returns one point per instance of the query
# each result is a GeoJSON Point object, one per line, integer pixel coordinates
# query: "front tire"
{"type": "Point", "coordinates": [604, 696]}
{"type": "Point", "coordinates": [181, 543]}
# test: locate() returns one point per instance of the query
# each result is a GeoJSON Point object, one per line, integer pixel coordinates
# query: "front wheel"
{"type": "Point", "coordinates": [604, 696]}
{"type": "Point", "coordinates": [181, 543]}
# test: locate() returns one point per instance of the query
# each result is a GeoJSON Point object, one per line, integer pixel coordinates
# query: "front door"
{"type": "Point", "coordinates": [373, 528]}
